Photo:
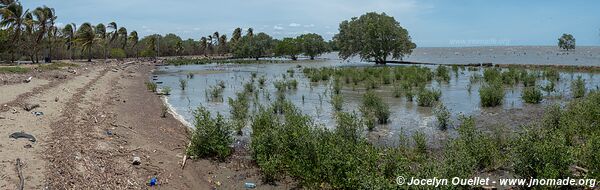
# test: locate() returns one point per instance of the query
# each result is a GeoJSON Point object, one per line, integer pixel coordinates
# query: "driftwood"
{"type": "Point", "coordinates": [185, 155]}
{"type": "Point", "coordinates": [29, 107]}
{"type": "Point", "coordinates": [20, 172]}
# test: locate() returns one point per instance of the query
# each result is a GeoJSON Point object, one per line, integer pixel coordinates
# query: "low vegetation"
{"type": "Point", "coordinates": [211, 137]}
{"type": "Point", "coordinates": [578, 87]}
{"type": "Point", "coordinates": [532, 95]}
{"type": "Point", "coordinates": [374, 109]}
{"type": "Point", "coordinates": [13, 69]}
{"type": "Point", "coordinates": [491, 94]}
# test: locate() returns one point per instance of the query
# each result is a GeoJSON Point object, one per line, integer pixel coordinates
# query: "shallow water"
{"type": "Point", "coordinates": [313, 98]}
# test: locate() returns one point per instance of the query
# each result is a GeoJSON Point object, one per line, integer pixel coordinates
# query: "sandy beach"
{"type": "Point", "coordinates": [96, 118]}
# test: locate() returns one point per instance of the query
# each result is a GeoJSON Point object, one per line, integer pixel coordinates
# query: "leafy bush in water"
{"type": "Point", "coordinates": [249, 87]}
{"type": "Point", "coordinates": [442, 73]}
{"type": "Point", "coordinates": [443, 115]}
{"type": "Point", "coordinates": [337, 101]}
{"type": "Point", "coordinates": [491, 94]}
{"type": "Point", "coordinates": [373, 107]}
{"type": "Point", "coordinates": [216, 93]}
{"type": "Point", "coordinates": [532, 95]}
{"type": "Point", "coordinates": [182, 84]}
{"type": "Point", "coordinates": [211, 136]}
{"type": "Point", "coordinates": [492, 75]}
{"type": "Point", "coordinates": [427, 97]}
{"type": "Point", "coordinates": [292, 84]}
{"type": "Point", "coordinates": [578, 88]}
{"type": "Point", "coordinates": [166, 90]}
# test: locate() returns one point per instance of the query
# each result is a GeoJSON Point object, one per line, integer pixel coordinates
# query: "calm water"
{"type": "Point", "coordinates": [313, 98]}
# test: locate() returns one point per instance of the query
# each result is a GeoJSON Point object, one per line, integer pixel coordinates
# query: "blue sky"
{"type": "Point", "coordinates": [431, 23]}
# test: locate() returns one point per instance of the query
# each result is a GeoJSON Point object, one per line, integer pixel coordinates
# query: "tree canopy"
{"type": "Point", "coordinates": [373, 37]}
{"type": "Point", "coordinates": [312, 45]}
{"type": "Point", "coordinates": [254, 45]}
{"type": "Point", "coordinates": [566, 42]}
{"type": "Point", "coordinates": [288, 47]}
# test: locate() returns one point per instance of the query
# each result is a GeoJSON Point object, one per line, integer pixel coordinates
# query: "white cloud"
{"type": "Point", "coordinates": [277, 28]}
{"type": "Point", "coordinates": [309, 26]}
{"type": "Point", "coordinates": [294, 25]}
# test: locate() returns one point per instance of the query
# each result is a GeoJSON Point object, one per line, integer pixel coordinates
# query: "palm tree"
{"type": "Point", "coordinates": [44, 18]}
{"type": "Point", "coordinates": [209, 43]}
{"type": "Point", "coordinates": [203, 45]}
{"type": "Point", "coordinates": [250, 32]}
{"type": "Point", "coordinates": [101, 33]}
{"type": "Point", "coordinates": [113, 35]}
{"type": "Point", "coordinates": [69, 34]}
{"type": "Point", "coordinates": [133, 38]}
{"type": "Point", "coordinates": [13, 17]}
{"type": "Point", "coordinates": [223, 44]}
{"type": "Point", "coordinates": [122, 34]}
{"type": "Point", "coordinates": [86, 37]}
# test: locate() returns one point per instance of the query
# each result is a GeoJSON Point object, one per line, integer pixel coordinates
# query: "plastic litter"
{"type": "Point", "coordinates": [18, 135]}
{"type": "Point", "coordinates": [136, 161]}
{"type": "Point", "coordinates": [38, 113]}
{"type": "Point", "coordinates": [153, 181]}
{"type": "Point", "coordinates": [249, 185]}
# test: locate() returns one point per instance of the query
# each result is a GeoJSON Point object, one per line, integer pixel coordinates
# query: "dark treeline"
{"type": "Point", "coordinates": [33, 35]}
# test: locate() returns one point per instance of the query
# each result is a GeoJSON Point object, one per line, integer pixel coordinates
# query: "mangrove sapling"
{"type": "Point", "coordinates": [443, 116]}
{"type": "Point", "coordinates": [492, 74]}
{"type": "Point", "coordinates": [530, 79]}
{"type": "Point", "coordinates": [426, 97]}
{"type": "Point", "coordinates": [491, 94]}
{"type": "Point", "coordinates": [373, 106]}
{"type": "Point", "coordinates": [182, 84]}
{"type": "Point", "coordinates": [253, 75]}
{"type": "Point", "coordinates": [261, 81]}
{"type": "Point", "coordinates": [420, 141]}
{"type": "Point", "coordinates": [151, 86]}
{"type": "Point", "coordinates": [249, 87]}
{"type": "Point", "coordinates": [190, 75]}
{"type": "Point", "coordinates": [281, 86]}
{"type": "Point", "coordinates": [166, 90]}
{"type": "Point", "coordinates": [441, 73]}
{"type": "Point", "coordinates": [292, 84]}
{"type": "Point", "coordinates": [532, 95]}
{"type": "Point", "coordinates": [578, 87]}
{"type": "Point", "coordinates": [211, 136]}
{"type": "Point", "coordinates": [551, 74]}
{"type": "Point", "coordinates": [221, 84]}
{"type": "Point", "coordinates": [549, 88]}
{"type": "Point", "coordinates": [349, 126]}
{"type": "Point", "coordinates": [337, 86]}
{"type": "Point", "coordinates": [397, 91]}
{"type": "Point", "coordinates": [216, 93]}
{"type": "Point", "coordinates": [337, 101]}
{"type": "Point", "coordinates": [239, 111]}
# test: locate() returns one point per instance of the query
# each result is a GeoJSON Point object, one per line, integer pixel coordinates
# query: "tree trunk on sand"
{"type": "Point", "coordinates": [312, 57]}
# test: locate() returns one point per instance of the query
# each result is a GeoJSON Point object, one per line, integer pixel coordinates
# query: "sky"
{"type": "Point", "coordinates": [431, 23]}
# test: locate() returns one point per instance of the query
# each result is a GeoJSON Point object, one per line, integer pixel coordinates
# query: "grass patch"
{"type": "Point", "coordinates": [13, 70]}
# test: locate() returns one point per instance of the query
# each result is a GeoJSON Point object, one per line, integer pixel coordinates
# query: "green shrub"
{"type": "Point", "coordinates": [349, 126]}
{"type": "Point", "coordinates": [373, 106]}
{"type": "Point", "coordinates": [221, 84]}
{"type": "Point", "coordinates": [151, 86]}
{"type": "Point", "coordinates": [337, 101]}
{"type": "Point", "coordinates": [261, 81]}
{"type": "Point", "coordinates": [249, 87]}
{"type": "Point", "coordinates": [292, 84]}
{"type": "Point", "coordinates": [578, 87]}
{"type": "Point", "coordinates": [532, 95]}
{"type": "Point", "coordinates": [491, 95]}
{"type": "Point", "coordinates": [427, 97]}
{"type": "Point", "coordinates": [551, 74]}
{"type": "Point", "coordinates": [211, 136]}
{"type": "Point", "coordinates": [216, 93]}
{"type": "Point", "coordinates": [182, 84]}
{"type": "Point", "coordinates": [337, 86]}
{"type": "Point", "coordinates": [239, 111]}
{"type": "Point", "coordinates": [166, 90]}
{"type": "Point", "coordinates": [442, 73]}
{"type": "Point", "coordinates": [530, 79]}
{"type": "Point", "coordinates": [117, 53]}
{"type": "Point", "coordinates": [492, 75]}
{"type": "Point", "coordinates": [443, 115]}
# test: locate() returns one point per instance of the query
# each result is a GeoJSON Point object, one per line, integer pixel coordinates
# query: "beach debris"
{"type": "Point", "coordinates": [28, 146]}
{"type": "Point", "coordinates": [56, 99]}
{"type": "Point", "coordinates": [73, 71]}
{"type": "Point", "coordinates": [38, 113]}
{"type": "Point", "coordinates": [109, 132]}
{"type": "Point", "coordinates": [28, 79]}
{"type": "Point", "coordinates": [153, 181]}
{"type": "Point", "coordinates": [136, 160]}
{"type": "Point", "coordinates": [29, 107]}
{"type": "Point", "coordinates": [18, 135]}
{"type": "Point", "coordinates": [249, 185]}
{"type": "Point", "coordinates": [20, 173]}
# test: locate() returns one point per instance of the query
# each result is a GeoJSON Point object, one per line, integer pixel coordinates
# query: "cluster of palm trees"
{"type": "Point", "coordinates": [31, 31]}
